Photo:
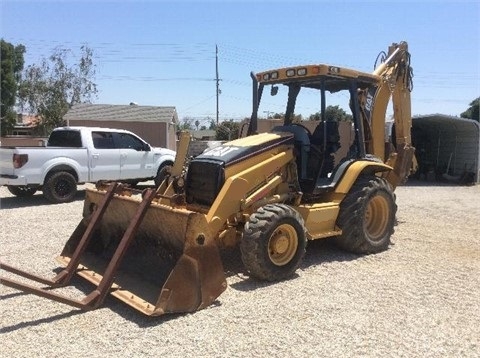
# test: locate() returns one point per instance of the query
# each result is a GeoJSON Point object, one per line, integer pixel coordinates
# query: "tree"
{"type": "Point", "coordinates": [332, 113]}
{"type": "Point", "coordinates": [53, 87]}
{"type": "Point", "coordinates": [11, 67]}
{"type": "Point", "coordinates": [212, 125]}
{"type": "Point", "coordinates": [186, 124]}
{"type": "Point", "coordinates": [227, 130]}
{"type": "Point", "coordinates": [473, 111]}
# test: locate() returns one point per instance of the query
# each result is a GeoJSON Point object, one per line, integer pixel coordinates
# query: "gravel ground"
{"type": "Point", "coordinates": [420, 298]}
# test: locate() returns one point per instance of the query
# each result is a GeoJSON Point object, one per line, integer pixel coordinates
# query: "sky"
{"type": "Point", "coordinates": [163, 53]}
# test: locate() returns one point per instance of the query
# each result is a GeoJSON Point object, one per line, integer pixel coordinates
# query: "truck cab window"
{"type": "Point", "coordinates": [103, 140]}
{"type": "Point", "coordinates": [128, 141]}
{"type": "Point", "coordinates": [69, 139]}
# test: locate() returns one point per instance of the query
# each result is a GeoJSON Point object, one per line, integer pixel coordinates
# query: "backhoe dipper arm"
{"type": "Point", "coordinates": [396, 82]}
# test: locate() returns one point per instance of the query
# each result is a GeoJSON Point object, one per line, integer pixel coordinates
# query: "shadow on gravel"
{"type": "Point", "coordinates": [130, 314]}
{"type": "Point", "coordinates": [12, 295]}
{"type": "Point", "coordinates": [38, 322]}
{"type": "Point", "coordinates": [13, 202]}
{"type": "Point", "coordinates": [318, 252]}
{"type": "Point", "coordinates": [324, 250]}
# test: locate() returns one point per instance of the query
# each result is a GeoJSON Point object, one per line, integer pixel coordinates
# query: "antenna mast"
{"type": "Point", "coordinates": [217, 80]}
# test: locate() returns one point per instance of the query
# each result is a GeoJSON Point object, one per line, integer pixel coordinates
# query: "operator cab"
{"type": "Point", "coordinates": [320, 162]}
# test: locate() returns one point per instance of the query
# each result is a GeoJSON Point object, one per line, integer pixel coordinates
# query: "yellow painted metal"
{"type": "Point", "coordinates": [376, 146]}
{"type": "Point", "coordinates": [355, 170]}
{"type": "Point", "coordinates": [376, 217]}
{"type": "Point", "coordinates": [320, 219]}
{"type": "Point", "coordinates": [394, 84]}
{"type": "Point", "coordinates": [258, 139]}
{"type": "Point", "coordinates": [311, 72]}
{"type": "Point", "coordinates": [282, 244]}
{"type": "Point", "coordinates": [261, 192]}
{"type": "Point", "coordinates": [258, 157]}
{"type": "Point", "coordinates": [166, 188]}
{"type": "Point", "coordinates": [236, 188]}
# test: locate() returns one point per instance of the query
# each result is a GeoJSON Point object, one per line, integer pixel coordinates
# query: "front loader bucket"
{"type": "Point", "coordinates": [172, 263]}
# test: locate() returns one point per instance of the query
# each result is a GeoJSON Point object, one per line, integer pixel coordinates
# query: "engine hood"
{"type": "Point", "coordinates": [163, 151]}
{"type": "Point", "coordinates": [240, 149]}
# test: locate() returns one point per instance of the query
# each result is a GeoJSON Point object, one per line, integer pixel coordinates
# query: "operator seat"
{"type": "Point", "coordinates": [324, 142]}
{"type": "Point", "coordinates": [301, 136]}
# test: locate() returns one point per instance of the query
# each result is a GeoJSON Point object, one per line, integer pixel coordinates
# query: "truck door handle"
{"type": "Point", "coordinates": [95, 156]}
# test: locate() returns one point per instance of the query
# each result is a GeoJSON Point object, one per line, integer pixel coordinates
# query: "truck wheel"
{"type": "Point", "coordinates": [60, 187]}
{"type": "Point", "coordinates": [367, 216]}
{"type": "Point", "coordinates": [273, 242]}
{"type": "Point", "coordinates": [162, 173]}
{"type": "Point", "coordinates": [21, 191]}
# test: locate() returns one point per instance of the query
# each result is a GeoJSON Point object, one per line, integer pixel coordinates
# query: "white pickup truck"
{"type": "Point", "coordinates": [77, 155]}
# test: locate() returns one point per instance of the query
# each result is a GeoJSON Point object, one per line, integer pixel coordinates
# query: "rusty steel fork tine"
{"type": "Point", "coordinates": [96, 297]}
{"type": "Point", "coordinates": [66, 274]}
{"type": "Point", "coordinates": [21, 273]}
{"type": "Point", "coordinates": [42, 293]}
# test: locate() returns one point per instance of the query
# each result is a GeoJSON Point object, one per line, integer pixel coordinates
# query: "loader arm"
{"type": "Point", "coordinates": [243, 189]}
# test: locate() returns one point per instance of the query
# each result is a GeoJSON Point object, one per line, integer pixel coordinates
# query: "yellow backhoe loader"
{"type": "Point", "coordinates": [158, 250]}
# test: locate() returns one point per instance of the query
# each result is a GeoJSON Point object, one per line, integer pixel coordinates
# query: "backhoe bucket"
{"type": "Point", "coordinates": [172, 264]}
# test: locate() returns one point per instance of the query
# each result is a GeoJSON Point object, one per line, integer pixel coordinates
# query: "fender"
{"type": "Point", "coordinates": [355, 170]}
{"type": "Point", "coordinates": [67, 164]}
{"type": "Point", "coordinates": [162, 159]}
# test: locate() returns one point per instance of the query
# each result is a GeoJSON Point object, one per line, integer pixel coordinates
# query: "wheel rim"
{"type": "Point", "coordinates": [283, 245]}
{"type": "Point", "coordinates": [63, 188]}
{"type": "Point", "coordinates": [376, 217]}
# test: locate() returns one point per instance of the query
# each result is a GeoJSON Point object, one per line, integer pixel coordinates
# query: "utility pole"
{"type": "Point", "coordinates": [217, 80]}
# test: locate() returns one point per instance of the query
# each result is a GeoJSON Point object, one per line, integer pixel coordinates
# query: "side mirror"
{"type": "Point", "coordinates": [274, 90]}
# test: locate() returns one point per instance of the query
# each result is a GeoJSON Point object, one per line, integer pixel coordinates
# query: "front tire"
{"type": "Point", "coordinates": [60, 187]}
{"type": "Point", "coordinates": [163, 171]}
{"type": "Point", "coordinates": [21, 191]}
{"type": "Point", "coordinates": [273, 242]}
{"type": "Point", "coordinates": [367, 216]}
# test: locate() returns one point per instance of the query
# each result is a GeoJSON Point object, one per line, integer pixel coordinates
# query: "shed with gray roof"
{"type": "Point", "coordinates": [447, 147]}
{"type": "Point", "coordinates": [155, 124]}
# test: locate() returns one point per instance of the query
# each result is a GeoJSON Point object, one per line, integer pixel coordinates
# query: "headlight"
{"type": "Point", "coordinates": [302, 72]}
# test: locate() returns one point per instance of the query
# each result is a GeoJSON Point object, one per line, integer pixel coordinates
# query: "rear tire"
{"type": "Point", "coordinates": [367, 216]}
{"type": "Point", "coordinates": [60, 187]}
{"type": "Point", "coordinates": [21, 191]}
{"type": "Point", "coordinates": [273, 242]}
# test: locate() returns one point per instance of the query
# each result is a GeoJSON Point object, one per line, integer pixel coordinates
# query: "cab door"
{"type": "Point", "coordinates": [136, 159]}
{"type": "Point", "coordinates": [104, 157]}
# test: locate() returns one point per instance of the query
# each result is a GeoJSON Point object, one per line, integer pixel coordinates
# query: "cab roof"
{"type": "Point", "coordinates": [336, 78]}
